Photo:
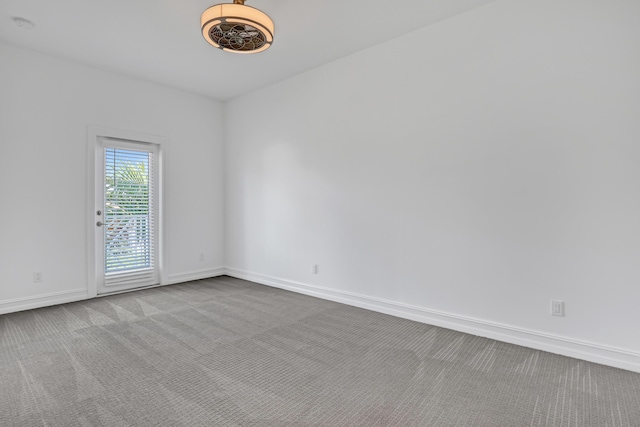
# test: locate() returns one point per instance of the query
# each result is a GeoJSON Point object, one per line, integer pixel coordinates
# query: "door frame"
{"type": "Point", "coordinates": [94, 155]}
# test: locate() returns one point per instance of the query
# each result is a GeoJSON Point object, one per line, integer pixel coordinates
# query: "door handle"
{"type": "Point", "coordinates": [99, 223]}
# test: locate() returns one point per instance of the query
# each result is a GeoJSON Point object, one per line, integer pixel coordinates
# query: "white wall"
{"type": "Point", "coordinates": [474, 170]}
{"type": "Point", "coordinates": [46, 107]}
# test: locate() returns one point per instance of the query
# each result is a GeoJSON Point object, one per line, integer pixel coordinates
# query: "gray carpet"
{"type": "Point", "coordinates": [224, 352]}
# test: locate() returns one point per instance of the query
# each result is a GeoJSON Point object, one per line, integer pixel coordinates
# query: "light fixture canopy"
{"type": "Point", "coordinates": [234, 27]}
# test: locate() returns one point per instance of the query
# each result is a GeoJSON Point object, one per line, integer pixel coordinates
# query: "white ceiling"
{"type": "Point", "coordinates": [160, 40]}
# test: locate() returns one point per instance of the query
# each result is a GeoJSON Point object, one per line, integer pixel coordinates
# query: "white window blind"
{"type": "Point", "coordinates": [129, 215]}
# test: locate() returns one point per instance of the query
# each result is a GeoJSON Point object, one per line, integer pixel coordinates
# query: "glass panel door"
{"type": "Point", "coordinates": [126, 216]}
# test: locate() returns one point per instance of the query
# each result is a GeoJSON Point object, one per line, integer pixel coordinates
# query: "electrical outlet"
{"type": "Point", "coordinates": [37, 277]}
{"type": "Point", "coordinates": [557, 308]}
{"type": "Point", "coordinates": [314, 269]}
{"type": "Point", "coordinates": [201, 257]}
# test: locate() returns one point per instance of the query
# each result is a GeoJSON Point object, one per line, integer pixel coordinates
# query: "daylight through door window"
{"type": "Point", "coordinates": [128, 216]}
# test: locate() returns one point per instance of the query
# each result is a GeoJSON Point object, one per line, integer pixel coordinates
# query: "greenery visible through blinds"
{"type": "Point", "coordinates": [128, 215]}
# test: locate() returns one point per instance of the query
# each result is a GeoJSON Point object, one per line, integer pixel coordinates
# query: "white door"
{"type": "Point", "coordinates": [126, 215]}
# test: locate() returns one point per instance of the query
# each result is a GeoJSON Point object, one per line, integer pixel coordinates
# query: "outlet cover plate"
{"type": "Point", "coordinates": [557, 308]}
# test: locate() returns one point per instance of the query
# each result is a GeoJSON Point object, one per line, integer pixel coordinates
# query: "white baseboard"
{"type": "Point", "coordinates": [605, 355]}
{"type": "Point", "coordinates": [45, 300]}
{"type": "Point", "coordinates": [194, 275]}
{"type": "Point", "coordinates": [62, 297]}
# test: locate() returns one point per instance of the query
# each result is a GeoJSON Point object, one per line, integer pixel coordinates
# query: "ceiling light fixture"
{"type": "Point", "coordinates": [237, 28]}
